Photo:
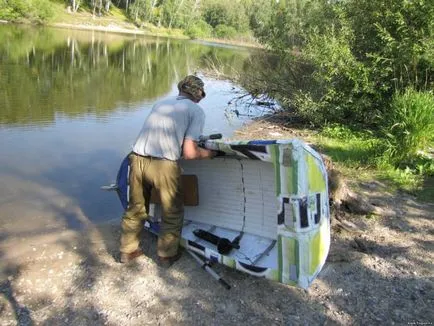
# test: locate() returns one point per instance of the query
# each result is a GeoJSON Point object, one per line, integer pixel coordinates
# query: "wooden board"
{"type": "Point", "coordinates": [191, 191]}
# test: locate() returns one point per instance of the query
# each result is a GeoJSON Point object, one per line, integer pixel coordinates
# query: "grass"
{"type": "Point", "coordinates": [409, 129]}
{"type": "Point", "coordinates": [360, 156]}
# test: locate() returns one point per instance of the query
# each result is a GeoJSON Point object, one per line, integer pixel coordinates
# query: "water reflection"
{"type": "Point", "coordinates": [46, 71]}
{"type": "Point", "coordinates": [72, 103]}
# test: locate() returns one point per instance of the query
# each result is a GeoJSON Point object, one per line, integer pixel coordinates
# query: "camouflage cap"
{"type": "Point", "coordinates": [193, 86]}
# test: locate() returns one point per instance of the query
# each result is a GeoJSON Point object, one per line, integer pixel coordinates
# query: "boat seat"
{"type": "Point", "coordinates": [191, 192]}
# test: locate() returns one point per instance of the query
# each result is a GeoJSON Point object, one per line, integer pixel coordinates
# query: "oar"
{"type": "Point", "coordinates": [206, 266]}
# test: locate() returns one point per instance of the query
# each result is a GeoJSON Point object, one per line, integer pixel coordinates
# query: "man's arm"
{"type": "Point", "coordinates": [190, 151]}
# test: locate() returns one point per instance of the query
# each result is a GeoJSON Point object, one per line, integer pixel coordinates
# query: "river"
{"type": "Point", "coordinates": [71, 105]}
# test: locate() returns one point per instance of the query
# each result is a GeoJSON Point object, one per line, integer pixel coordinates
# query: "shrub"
{"type": "Point", "coordinates": [360, 52]}
{"type": "Point", "coordinates": [33, 10]}
{"type": "Point", "coordinates": [199, 29]}
{"type": "Point", "coordinates": [43, 10]}
{"type": "Point", "coordinates": [223, 31]}
{"type": "Point", "coordinates": [6, 11]}
{"type": "Point", "coordinates": [409, 128]}
{"type": "Point", "coordinates": [340, 88]}
{"type": "Point", "coordinates": [226, 12]}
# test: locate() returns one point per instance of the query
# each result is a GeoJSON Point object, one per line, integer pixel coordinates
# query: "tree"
{"type": "Point", "coordinates": [75, 4]}
{"type": "Point", "coordinates": [357, 53]}
{"type": "Point", "coordinates": [226, 12]}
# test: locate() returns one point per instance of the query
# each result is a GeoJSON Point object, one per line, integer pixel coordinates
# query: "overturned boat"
{"type": "Point", "coordinates": [261, 208]}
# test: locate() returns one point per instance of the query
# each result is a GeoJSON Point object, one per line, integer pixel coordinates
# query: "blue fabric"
{"type": "Point", "coordinates": [261, 142]}
{"type": "Point", "coordinates": [154, 227]}
{"type": "Point", "coordinates": [122, 182]}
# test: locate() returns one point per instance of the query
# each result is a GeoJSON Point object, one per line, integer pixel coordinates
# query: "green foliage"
{"type": "Point", "coordinates": [356, 53]}
{"type": "Point", "coordinates": [43, 10]}
{"type": "Point", "coordinates": [241, 15]}
{"type": "Point", "coordinates": [351, 147]}
{"type": "Point", "coordinates": [366, 152]}
{"type": "Point", "coordinates": [289, 22]}
{"type": "Point", "coordinates": [340, 88]}
{"type": "Point", "coordinates": [226, 32]}
{"type": "Point", "coordinates": [199, 29]}
{"type": "Point", "coordinates": [405, 179]}
{"type": "Point", "coordinates": [409, 127]}
{"type": "Point", "coordinates": [38, 11]}
{"type": "Point", "coordinates": [226, 12]}
{"type": "Point", "coordinates": [141, 10]}
{"type": "Point", "coordinates": [8, 12]}
{"type": "Point", "coordinates": [259, 13]}
{"type": "Point", "coordinates": [394, 37]}
{"type": "Point", "coordinates": [216, 14]}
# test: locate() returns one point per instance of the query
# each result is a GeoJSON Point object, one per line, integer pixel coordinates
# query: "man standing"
{"type": "Point", "coordinates": [171, 130]}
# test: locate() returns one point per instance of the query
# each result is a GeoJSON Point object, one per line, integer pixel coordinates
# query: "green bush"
{"type": "Point", "coordinates": [33, 10]}
{"type": "Point", "coordinates": [199, 29]}
{"type": "Point", "coordinates": [359, 52]}
{"type": "Point", "coordinates": [409, 127]}
{"type": "Point", "coordinates": [43, 9]}
{"type": "Point", "coordinates": [8, 13]}
{"type": "Point", "coordinates": [223, 31]}
{"type": "Point", "coordinates": [226, 12]}
{"type": "Point", "coordinates": [340, 88]}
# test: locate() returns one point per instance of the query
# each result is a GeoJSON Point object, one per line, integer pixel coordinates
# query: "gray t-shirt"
{"type": "Point", "coordinates": [170, 121]}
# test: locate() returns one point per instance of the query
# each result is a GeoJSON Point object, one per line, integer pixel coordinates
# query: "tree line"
{"type": "Point", "coordinates": [198, 18]}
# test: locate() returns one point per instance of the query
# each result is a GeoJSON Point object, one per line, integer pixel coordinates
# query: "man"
{"type": "Point", "coordinates": [171, 130]}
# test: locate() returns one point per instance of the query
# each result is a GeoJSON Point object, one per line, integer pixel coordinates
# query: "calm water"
{"type": "Point", "coordinates": [71, 105]}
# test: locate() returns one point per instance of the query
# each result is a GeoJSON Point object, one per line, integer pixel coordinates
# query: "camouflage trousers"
{"type": "Point", "coordinates": [147, 173]}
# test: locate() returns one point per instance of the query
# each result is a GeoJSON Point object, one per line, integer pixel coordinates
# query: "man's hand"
{"type": "Point", "coordinates": [190, 151]}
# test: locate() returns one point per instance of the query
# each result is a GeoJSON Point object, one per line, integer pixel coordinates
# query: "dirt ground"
{"type": "Point", "coordinates": [379, 272]}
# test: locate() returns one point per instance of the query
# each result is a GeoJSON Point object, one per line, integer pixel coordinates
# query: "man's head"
{"type": "Point", "coordinates": [192, 86]}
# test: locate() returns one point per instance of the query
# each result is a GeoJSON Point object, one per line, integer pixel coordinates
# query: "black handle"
{"type": "Point", "coordinates": [206, 236]}
{"type": "Point", "coordinates": [215, 136]}
{"type": "Point", "coordinates": [224, 246]}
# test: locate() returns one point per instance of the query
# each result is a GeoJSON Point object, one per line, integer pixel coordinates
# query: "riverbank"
{"type": "Point", "coordinates": [117, 23]}
{"type": "Point", "coordinates": [379, 271]}
{"type": "Point", "coordinates": [157, 32]}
